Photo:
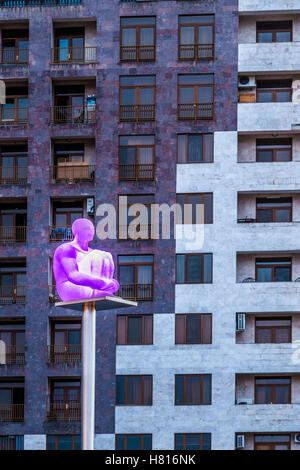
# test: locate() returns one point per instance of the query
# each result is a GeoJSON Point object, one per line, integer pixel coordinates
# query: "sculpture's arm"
{"type": "Point", "coordinates": [69, 264]}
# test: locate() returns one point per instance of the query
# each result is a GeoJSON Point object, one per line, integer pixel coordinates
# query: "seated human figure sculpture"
{"type": "Point", "coordinates": [81, 272]}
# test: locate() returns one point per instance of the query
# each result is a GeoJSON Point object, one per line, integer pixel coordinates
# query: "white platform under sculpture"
{"type": "Point", "coordinates": [101, 303]}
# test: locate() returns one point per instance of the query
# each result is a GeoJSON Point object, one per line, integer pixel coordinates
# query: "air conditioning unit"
{"type": "Point", "coordinates": [247, 82]}
{"type": "Point", "coordinates": [297, 438]}
{"type": "Point", "coordinates": [240, 322]}
{"type": "Point", "coordinates": [240, 441]}
{"type": "Point", "coordinates": [244, 401]}
{"type": "Point", "coordinates": [90, 206]}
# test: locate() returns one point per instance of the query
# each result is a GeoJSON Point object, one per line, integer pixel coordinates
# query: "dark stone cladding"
{"type": "Point", "coordinates": [38, 191]}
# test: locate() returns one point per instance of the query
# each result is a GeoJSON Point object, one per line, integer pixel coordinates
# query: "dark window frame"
{"type": "Point", "coordinates": [56, 436]}
{"type": "Point", "coordinates": [196, 39]}
{"type": "Point", "coordinates": [186, 160]}
{"type": "Point", "coordinates": [142, 378]}
{"type": "Point", "coordinates": [136, 264]}
{"type": "Point", "coordinates": [202, 195]}
{"type": "Point", "coordinates": [137, 39]}
{"type": "Point", "coordinates": [202, 268]}
{"type": "Point", "coordinates": [273, 329]}
{"type": "Point", "coordinates": [275, 209]}
{"type": "Point", "coordinates": [184, 435]}
{"type": "Point", "coordinates": [125, 436]}
{"type": "Point", "coordinates": [185, 315]}
{"type": "Point", "coordinates": [274, 30]}
{"type": "Point", "coordinates": [126, 329]}
{"type": "Point", "coordinates": [272, 389]}
{"type": "Point", "coordinates": [275, 149]}
{"type": "Point", "coordinates": [270, 443]}
{"type": "Point", "coordinates": [274, 266]}
{"type": "Point", "coordinates": [184, 403]}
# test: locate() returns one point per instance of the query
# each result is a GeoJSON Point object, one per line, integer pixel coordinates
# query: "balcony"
{"type": "Point", "coordinates": [13, 234]}
{"type": "Point", "coordinates": [13, 355]}
{"type": "Point", "coordinates": [129, 232]}
{"type": "Point", "coordinates": [136, 172]}
{"type": "Point", "coordinates": [137, 53]}
{"type": "Point", "coordinates": [195, 51]}
{"type": "Point", "coordinates": [12, 294]}
{"type": "Point", "coordinates": [13, 115]}
{"type": "Point", "coordinates": [259, 117]}
{"type": "Point", "coordinates": [73, 172]}
{"type": "Point", "coordinates": [269, 57]}
{"type": "Point", "coordinates": [136, 291]}
{"type": "Point", "coordinates": [13, 175]}
{"type": "Point", "coordinates": [38, 3]}
{"type": "Point", "coordinates": [73, 114]}
{"type": "Point", "coordinates": [14, 56]}
{"type": "Point", "coordinates": [61, 411]}
{"type": "Point", "coordinates": [137, 112]}
{"type": "Point", "coordinates": [11, 413]}
{"type": "Point", "coordinates": [195, 111]}
{"type": "Point", "coordinates": [64, 353]}
{"type": "Point", "coordinates": [60, 234]}
{"type": "Point", "coordinates": [74, 55]}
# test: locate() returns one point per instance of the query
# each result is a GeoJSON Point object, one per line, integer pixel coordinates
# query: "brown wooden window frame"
{"type": "Point", "coordinates": [14, 354]}
{"type": "Point", "coordinates": [184, 435]}
{"type": "Point", "coordinates": [278, 27]}
{"type": "Point", "coordinates": [136, 264]}
{"type": "Point", "coordinates": [138, 47]}
{"type": "Point", "coordinates": [202, 268]}
{"type": "Point", "coordinates": [272, 444]}
{"type": "Point", "coordinates": [274, 90]}
{"type": "Point", "coordinates": [196, 44]}
{"type": "Point", "coordinates": [145, 230]}
{"type": "Point", "coordinates": [274, 209]}
{"type": "Point", "coordinates": [15, 56]}
{"type": "Point", "coordinates": [274, 266]}
{"type": "Point", "coordinates": [139, 174]}
{"type": "Point", "coordinates": [200, 402]}
{"type": "Point", "coordinates": [142, 385]}
{"type": "Point", "coordinates": [186, 160]}
{"type": "Point", "coordinates": [13, 175]}
{"type": "Point", "coordinates": [181, 335]}
{"type": "Point", "coordinates": [144, 327]}
{"type": "Point", "coordinates": [196, 105]}
{"type": "Point", "coordinates": [56, 436]}
{"type": "Point", "coordinates": [16, 108]}
{"type": "Point", "coordinates": [273, 329]}
{"type": "Point", "coordinates": [202, 196]}
{"type": "Point", "coordinates": [69, 37]}
{"type": "Point", "coordinates": [272, 388]}
{"type": "Point", "coordinates": [269, 143]}
{"type": "Point", "coordinates": [136, 106]}
{"type": "Point", "coordinates": [125, 436]}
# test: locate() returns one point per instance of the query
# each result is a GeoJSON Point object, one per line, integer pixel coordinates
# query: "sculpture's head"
{"type": "Point", "coordinates": [83, 229]}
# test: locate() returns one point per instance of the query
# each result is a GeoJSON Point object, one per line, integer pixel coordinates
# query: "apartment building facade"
{"type": "Point", "coordinates": [160, 101]}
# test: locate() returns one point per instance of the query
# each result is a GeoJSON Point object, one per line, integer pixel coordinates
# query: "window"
{"type": "Point", "coordinates": [190, 215]}
{"type": "Point", "coordinates": [193, 441]}
{"type": "Point", "coordinates": [273, 330]}
{"type": "Point", "coordinates": [136, 277]}
{"type": "Point", "coordinates": [64, 400]}
{"type": "Point", "coordinates": [12, 400]}
{"type": "Point", "coordinates": [137, 39]}
{"type": "Point", "coordinates": [272, 390]}
{"type": "Point", "coordinates": [63, 216]}
{"type": "Point", "coordinates": [274, 209]}
{"type": "Point", "coordinates": [15, 109]}
{"type": "Point", "coordinates": [193, 328]}
{"type": "Point", "coordinates": [195, 268]}
{"type": "Point", "coordinates": [272, 442]}
{"type": "Point", "coordinates": [276, 91]}
{"type": "Point", "coordinates": [13, 164]}
{"type": "Point", "coordinates": [195, 97]}
{"type": "Point", "coordinates": [137, 98]}
{"type": "Point", "coordinates": [134, 390]}
{"type": "Point", "coordinates": [11, 442]}
{"type": "Point", "coordinates": [273, 150]}
{"type": "Point", "coordinates": [135, 329]}
{"type": "Point", "coordinates": [13, 336]}
{"type": "Point", "coordinates": [15, 47]}
{"type": "Point", "coordinates": [65, 342]}
{"type": "Point", "coordinates": [136, 157]}
{"type": "Point", "coordinates": [69, 164]}
{"type": "Point", "coordinates": [196, 37]}
{"type": "Point", "coordinates": [274, 31]}
{"type": "Point", "coordinates": [13, 221]}
{"type": "Point", "coordinates": [193, 389]}
{"type": "Point", "coordinates": [63, 442]}
{"type": "Point", "coordinates": [273, 269]}
{"type": "Point", "coordinates": [13, 282]}
{"type": "Point", "coordinates": [69, 45]}
{"type": "Point", "coordinates": [133, 441]}
{"type": "Point", "coordinates": [195, 148]}
{"type": "Point", "coordinates": [69, 105]}
{"type": "Point", "coordinates": [128, 226]}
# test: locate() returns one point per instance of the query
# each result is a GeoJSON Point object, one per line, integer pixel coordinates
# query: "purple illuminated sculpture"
{"type": "Point", "coordinates": [79, 271]}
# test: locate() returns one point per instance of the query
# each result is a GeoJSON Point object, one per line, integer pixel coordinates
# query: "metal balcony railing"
{"type": "Point", "coordinates": [13, 234]}
{"type": "Point", "coordinates": [74, 55]}
{"type": "Point", "coordinates": [13, 355]}
{"type": "Point", "coordinates": [12, 295]}
{"type": "Point", "coordinates": [137, 172]}
{"type": "Point", "coordinates": [14, 56]}
{"type": "Point", "coordinates": [136, 291]}
{"type": "Point", "coordinates": [64, 353]}
{"type": "Point", "coordinates": [60, 234]}
{"type": "Point", "coordinates": [13, 174]}
{"type": "Point", "coordinates": [38, 3]}
{"type": "Point", "coordinates": [13, 115]}
{"type": "Point", "coordinates": [137, 112]}
{"type": "Point", "coordinates": [128, 232]}
{"type": "Point", "coordinates": [137, 53]}
{"type": "Point", "coordinates": [62, 411]}
{"type": "Point", "coordinates": [73, 114]}
{"type": "Point", "coordinates": [11, 413]}
{"type": "Point", "coordinates": [195, 111]}
{"type": "Point", "coordinates": [195, 51]}
{"type": "Point", "coordinates": [73, 172]}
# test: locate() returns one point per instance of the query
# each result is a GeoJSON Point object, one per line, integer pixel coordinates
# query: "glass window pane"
{"type": "Point", "coordinates": [283, 96]}
{"type": "Point", "coordinates": [193, 329]}
{"type": "Point", "coordinates": [179, 389]}
{"type": "Point", "coordinates": [194, 269]}
{"type": "Point", "coordinates": [178, 441]}
{"type": "Point", "coordinates": [265, 155]}
{"type": "Point", "coordinates": [128, 37]}
{"type": "Point", "coordinates": [127, 155]}
{"type": "Point", "coordinates": [283, 36]}
{"type": "Point", "coordinates": [282, 394]}
{"type": "Point", "coordinates": [186, 94]}
{"type": "Point", "coordinates": [134, 390]}
{"type": "Point", "coordinates": [282, 335]}
{"type": "Point", "coordinates": [134, 442]}
{"type": "Point", "coordinates": [283, 155]}
{"type": "Point", "coordinates": [120, 442]}
{"type": "Point", "coordinates": [265, 215]}
{"type": "Point", "coordinates": [206, 389]}
{"type": "Point", "coordinates": [135, 330]}
{"type": "Point", "coordinates": [264, 274]}
{"type": "Point", "coordinates": [147, 442]}
{"type": "Point", "coordinates": [207, 268]}
{"type": "Point", "coordinates": [205, 35]}
{"type": "Point", "coordinates": [146, 95]}
{"type": "Point", "coordinates": [126, 274]}
{"type": "Point", "coordinates": [263, 395]}
{"type": "Point", "coordinates": [205, 94]}
{"type": "Point", "coordinates": [283, 215]}
{"type": "Point", "coordinates": [206, 442]}
{"type": "Point", "coordinates": [77, 442]}
{"type": "Point", "coordinates": [192, 442]}
{"type": "Point", "coordinates": [146, 36]}
{"type": "Point", "coordinates": [180, 268]}
{"type": "Point", "coordinates": [264, 36]}
{"type": "Point", "coordinates": [64, 442]}
{"type": "Point", "coordinates": [195, 148]}
{"type": "Point", "coordinates": [120, 390]}
{"type": "Point", "coordinates": [51, 442]}
{"type": "Point", "coordinates": [263, 335]}
{"type": "Point", "coordinates": [193, 386]}
{"type": "Point", "coordinates": [265, 97]}
{"type": "Point", "coordinates": [282, 274]}
{"type": "Point", "coordinates": [128, 95]}
{"type": "Point", "coordinates": [187, 35]}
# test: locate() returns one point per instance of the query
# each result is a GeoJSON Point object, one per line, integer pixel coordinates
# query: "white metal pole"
{"type": "Point", "coordinates": [88, 375]}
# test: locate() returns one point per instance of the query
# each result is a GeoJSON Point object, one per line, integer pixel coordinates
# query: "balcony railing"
{"type": "Point", "coordinates": [53, 295]}
{"type": "Point", "coordinates": [11, 413]}
{"type": "Point", "coordinates": [137, 112]}
{"type": "Point", "coordinates": [136, 291]}
{"type": "Point", "coordinates": [13, 115]}
{"type": "Point", "coordinates": [64, 353]}
{"type": "Point", "coordinates": [73, 114]}
{"type": "Point", "coordinates": [13, 174]}
{"type": "Point", "coordinates": [74, 55]}
{"type": "Point", "coordinates": [195, 51]}
{"type": "Point", "coordinates": [38, 3]}
{"type": "Point", "coordinates": [137, 172]}
{"type": "Point", "coordinates": [12, 295]}
{"type": "Point", "coordinates": [60, 234]}
{"type": "Point", "coordinates": [73, 172]}
{"type": "Point", "coordinates": [14, 56]}
{"type": "Point", "coordinates": [12, 234]}
{"type": "Point", "coordinates": [137, 53]}
{"type": "Point", "coordinates": [128, 232]}
{"type": "Point", "coordinates": [61, 411]}
{"type": "Point", "coordinates": [195, 112]}
{"type": "Point", "coordinates": [13, 355]}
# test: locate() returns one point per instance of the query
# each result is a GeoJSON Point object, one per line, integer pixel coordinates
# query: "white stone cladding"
{"type": "Point", "coordinates": [35, 442]}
